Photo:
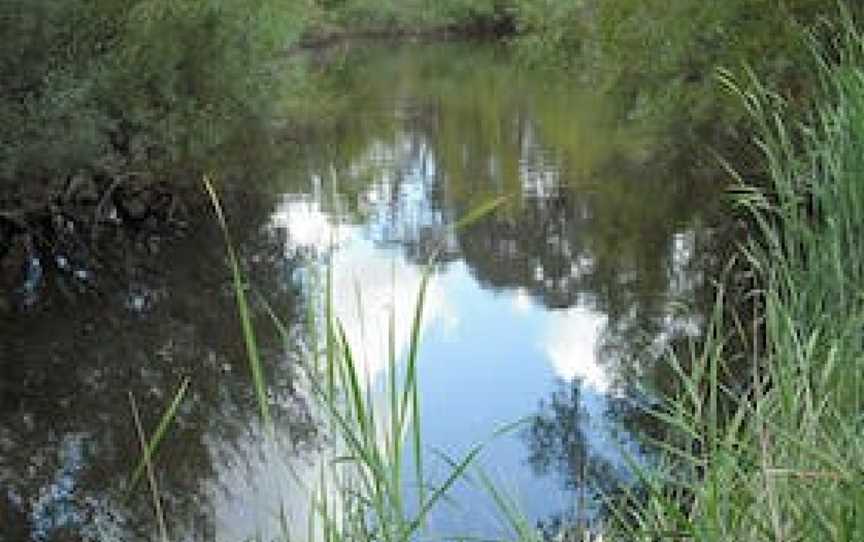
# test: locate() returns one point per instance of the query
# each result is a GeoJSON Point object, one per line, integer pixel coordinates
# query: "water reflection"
{"type": "Point", "coordinates": [545, 309]}
{"type": "Point", "coordinates": [564, 298]}
{"type": "Point", "coordinates": [67, 443]}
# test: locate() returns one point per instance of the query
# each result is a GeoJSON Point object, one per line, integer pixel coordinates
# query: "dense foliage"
{"type": "Point", "coordinates": [663, 55]}
{"type": "Point", "coordinates": [86, 80]}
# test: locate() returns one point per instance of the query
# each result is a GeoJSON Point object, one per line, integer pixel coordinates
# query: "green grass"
{"type": "Point", "coordinates": [785, 460]}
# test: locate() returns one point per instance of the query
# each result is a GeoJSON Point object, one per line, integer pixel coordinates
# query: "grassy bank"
{"type": "Point", "coordinates": [783, 460]}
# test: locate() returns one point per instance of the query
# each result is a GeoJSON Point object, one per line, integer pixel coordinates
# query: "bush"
{"type": "Point", "coordinates": [83, 79]}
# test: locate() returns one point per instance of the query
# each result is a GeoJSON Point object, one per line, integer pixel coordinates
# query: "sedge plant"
{"type": "Point", "coordinates": [785, 461]}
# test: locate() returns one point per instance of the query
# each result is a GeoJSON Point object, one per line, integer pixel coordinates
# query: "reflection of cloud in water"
{"type": "Point", "coordinates": [266, 481]}
{"type": "Point", "coordinates": [306, 223]}
{"type": "Point", "coordinates": [522, 302]}
{"type": "Point", "coordinates": [368, 282]}
{"type": "Point", "coordinates": [571, 345]}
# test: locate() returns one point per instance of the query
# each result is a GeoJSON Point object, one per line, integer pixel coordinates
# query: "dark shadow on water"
{"type": "Point", "coordinates": [67, 442]}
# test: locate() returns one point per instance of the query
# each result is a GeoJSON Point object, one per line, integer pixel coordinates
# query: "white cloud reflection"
{"type": "Point", "coordinates": [369, 282]}
{"type": "Point", "coordinates": [571, 344]}
{"type": "Point", "coordinates": [307, 224]}
{"type": "Point", "coordinates": [522, 302]}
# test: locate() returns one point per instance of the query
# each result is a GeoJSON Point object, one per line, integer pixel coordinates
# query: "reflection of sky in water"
{"type": "Point", "coordinates": [492, 348]}
{"type": "Point", "coordinates": [368, 282]}
{"type": "Point", "coordinates": [251, 497]}
{"type": "Point", "coordinates": [487, 358]}
{"type": "Point", "coordinates": [55, 507]}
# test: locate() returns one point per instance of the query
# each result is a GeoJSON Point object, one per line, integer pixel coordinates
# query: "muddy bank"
{"type": "Point", "coordinates": [65, 230]}
{"type": "Point", "coordinates": [71, 232]}
{"type": "Point", "coordinates": [481, 28]}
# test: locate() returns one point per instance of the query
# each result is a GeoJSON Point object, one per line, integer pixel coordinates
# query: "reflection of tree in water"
{"type": "Point", "coordinates": [558, 443]}
{"type": "Point", "coordinates": [540, 250]}
{"type": "Point", "coordinates": [592, 221]}
{"type": "Point", "coordinates": [556, 437]}
{"type": "Point", "coordinates": [67, 443]}
{"type": "Point", "coordinates": [611, 249]}
{"type": "Point", "coordinates": [589, 223]}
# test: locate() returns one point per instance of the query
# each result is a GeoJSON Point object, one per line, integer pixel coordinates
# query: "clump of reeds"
{"type": "Point", "coordinates": [786, 461]}
{"type": "Point", "coordinates": [375, 435]}
{"type": "Point", "coordinates": [373, 431]}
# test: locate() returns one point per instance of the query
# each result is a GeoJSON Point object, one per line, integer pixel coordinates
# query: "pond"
{"type": "Point", "coordinates": [556, 308]}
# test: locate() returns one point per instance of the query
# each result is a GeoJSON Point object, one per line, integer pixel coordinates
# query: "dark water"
{"type": "Point", "coordinates": [555, 308]}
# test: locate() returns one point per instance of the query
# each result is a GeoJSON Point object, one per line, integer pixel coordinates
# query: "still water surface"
{"type": "Point", "coordinates": [554, 309]}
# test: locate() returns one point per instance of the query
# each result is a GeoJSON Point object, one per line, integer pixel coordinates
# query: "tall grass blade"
{"type": "Point", "coordinates": [479, 212]}
{"type": "Point", "coordinates": [252, 350]}
{"type": "Point", "coordinates": [151, 477]}
{"type": "Point", "coordinates": [164, 423]}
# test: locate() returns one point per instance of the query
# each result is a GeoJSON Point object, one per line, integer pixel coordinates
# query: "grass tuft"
{"type": "Point", "coordinates": [782, 457]}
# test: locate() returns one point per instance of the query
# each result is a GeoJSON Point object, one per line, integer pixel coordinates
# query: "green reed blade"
{"type": "Point", "coordinates": [252, 350]}
{"type": "Point", "coordinates": [161, 429]}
